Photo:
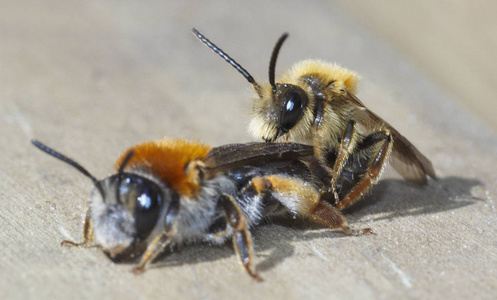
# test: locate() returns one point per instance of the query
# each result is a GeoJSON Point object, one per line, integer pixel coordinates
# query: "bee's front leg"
{"type": "Point", "coordinates": [161, 241]}
{"type": "Point", "coordinates": [374, 169]}
{"type": "Point", "coordinates": [346, 147]}
{"type": "Point", "coordinates": [87, 234]}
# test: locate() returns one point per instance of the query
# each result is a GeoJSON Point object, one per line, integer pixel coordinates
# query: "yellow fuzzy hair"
{"type": "Point", "coordinates": [327, 72]}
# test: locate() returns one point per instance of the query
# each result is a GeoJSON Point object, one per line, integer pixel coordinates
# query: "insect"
{"type": "Point", "coordinates": [315, 103]}
{"type": "Point", "coordinates": [174, 191]}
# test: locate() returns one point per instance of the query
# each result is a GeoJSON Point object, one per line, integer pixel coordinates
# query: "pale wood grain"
{"type": "Point", "coordinates": [93, 78]}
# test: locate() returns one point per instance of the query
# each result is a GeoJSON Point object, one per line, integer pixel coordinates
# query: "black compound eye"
{"type": "Point", "coordinates": [147, 198]}
{"type": "Point", "coordinates": [294, 101]}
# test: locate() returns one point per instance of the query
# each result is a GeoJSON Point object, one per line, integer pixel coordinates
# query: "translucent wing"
{"type": "Point", "coordinates": [230, 156]}
{"type": "Point", "coordinates": [406, 158]}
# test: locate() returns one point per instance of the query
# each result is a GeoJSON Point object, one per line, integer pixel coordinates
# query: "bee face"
{"type": "Point", "coordinates": [126, 212]}
{"type": "Point", "coordinates": [287, 112]}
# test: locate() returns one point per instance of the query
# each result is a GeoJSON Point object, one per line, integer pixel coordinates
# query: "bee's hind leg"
{"type": "Point", "coordinates": [298, 196]}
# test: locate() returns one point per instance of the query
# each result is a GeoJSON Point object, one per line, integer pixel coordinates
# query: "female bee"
{"type": "Point", "coordinates": [315, 103]}
{"type": "Point", "coordinates": [174, 191]}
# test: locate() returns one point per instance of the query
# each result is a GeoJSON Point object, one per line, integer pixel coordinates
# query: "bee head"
{"type": "Point", "coordinates": [280, 107]}
{"type": "Point", "coordinates": [128, 211]}
{"type": "Point", "coordinates": [125, 208]}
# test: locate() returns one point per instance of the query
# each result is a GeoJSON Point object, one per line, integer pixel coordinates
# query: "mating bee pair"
{"type": "Point", "coordinates": [174, 191]}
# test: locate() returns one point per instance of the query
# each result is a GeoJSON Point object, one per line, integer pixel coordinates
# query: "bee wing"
{"type": "Point", "coordinates": [406, 159]}
{"type": "Point", "coordinates": [230, 156]}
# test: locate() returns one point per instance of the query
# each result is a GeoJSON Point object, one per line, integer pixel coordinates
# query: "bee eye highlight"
{"type": "Point", "coordinates": [294, 101]}
{"type": "Point", "coordinates": [147, 202]}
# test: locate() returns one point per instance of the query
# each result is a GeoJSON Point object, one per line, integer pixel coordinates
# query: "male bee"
{"type": "Point", "coordinates": [174, 191]}
{"type": "Point", "coordinates": [315, 103]}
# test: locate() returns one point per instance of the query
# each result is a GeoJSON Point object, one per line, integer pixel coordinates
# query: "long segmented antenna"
{"type": "Point", "coordinates": [228, 59]}
{"type": "Point", "coordinates": [120, 172]}
{"type": "Point", "coordinates": [274, 56]}
{"type": "Point", "coordinates": [70, 162]}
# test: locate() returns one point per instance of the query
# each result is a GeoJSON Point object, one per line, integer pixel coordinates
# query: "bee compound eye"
{"type": "Point", "coordinates": [147, 210]}
{"type": "Point", "coordinates": [294, 103]}
{"type": "Point", "coordinates": [147, 198]}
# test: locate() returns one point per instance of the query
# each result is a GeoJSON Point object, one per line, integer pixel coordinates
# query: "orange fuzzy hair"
{"type": "Point", "coordinates": [167, 160]}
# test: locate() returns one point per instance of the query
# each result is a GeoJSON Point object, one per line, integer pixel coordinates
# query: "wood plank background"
{"type": "Point", "coordinates": [93, 78]}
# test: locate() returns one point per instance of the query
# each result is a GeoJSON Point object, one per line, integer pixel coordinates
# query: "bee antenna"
{"type": "Point", "coordinates": [120, 172]}
{"type": "Point", "coordinates": [274, 56]}
{"type": "Point", "coordinates": [70, 162]}
{"type": "Point", "coordinates": [228, 59]}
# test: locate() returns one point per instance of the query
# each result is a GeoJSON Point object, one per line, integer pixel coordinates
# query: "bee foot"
{"type": "Point", "coordinates": [138, 270]}
{"type": "Point", "coordinates": [74, 244]}
{"type": "Point", "coordinates": [356, 232]}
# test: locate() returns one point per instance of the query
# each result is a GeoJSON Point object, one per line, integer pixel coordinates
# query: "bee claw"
{"type": "Point", "coordinates": [137, 270]}
{"type": "Point", "coordinates": [357, 232]}
{"type": "Point", "coordinates": [75, 244]}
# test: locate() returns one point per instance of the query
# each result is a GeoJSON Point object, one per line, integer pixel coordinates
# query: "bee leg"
{"type": "Point", "coordinates": [242, 240]}
{"type": "Point", "coordinates": [87, 234]}
{"type": "Point", "coordinates": [346, 147]}
{"type": "Point", "coordinates": [161, 241]}
{"type": "Point", "coordinates": [154, 248]}
{"type": "Point", "coordinates": [329, 216]}
{"type": "Point", "coordinates": [374, 170]}
{"type": "Point", "coordinates": [304, 199]}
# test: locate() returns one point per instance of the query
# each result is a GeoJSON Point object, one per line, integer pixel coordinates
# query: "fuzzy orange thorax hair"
{"type": "Point", "coordinates": [167, 160]}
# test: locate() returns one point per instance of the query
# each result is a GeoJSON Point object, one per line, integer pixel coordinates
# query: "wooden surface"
{"type": "Point", "coordinates": [91, 79]}
{"type": "Point", "coordinates": [452, 42]}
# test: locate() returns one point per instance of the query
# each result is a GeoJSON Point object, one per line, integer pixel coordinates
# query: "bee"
{"type": "Point", "coordinates": [315, 103]}
{"type": "Point", "coordinates": [172, 191]}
